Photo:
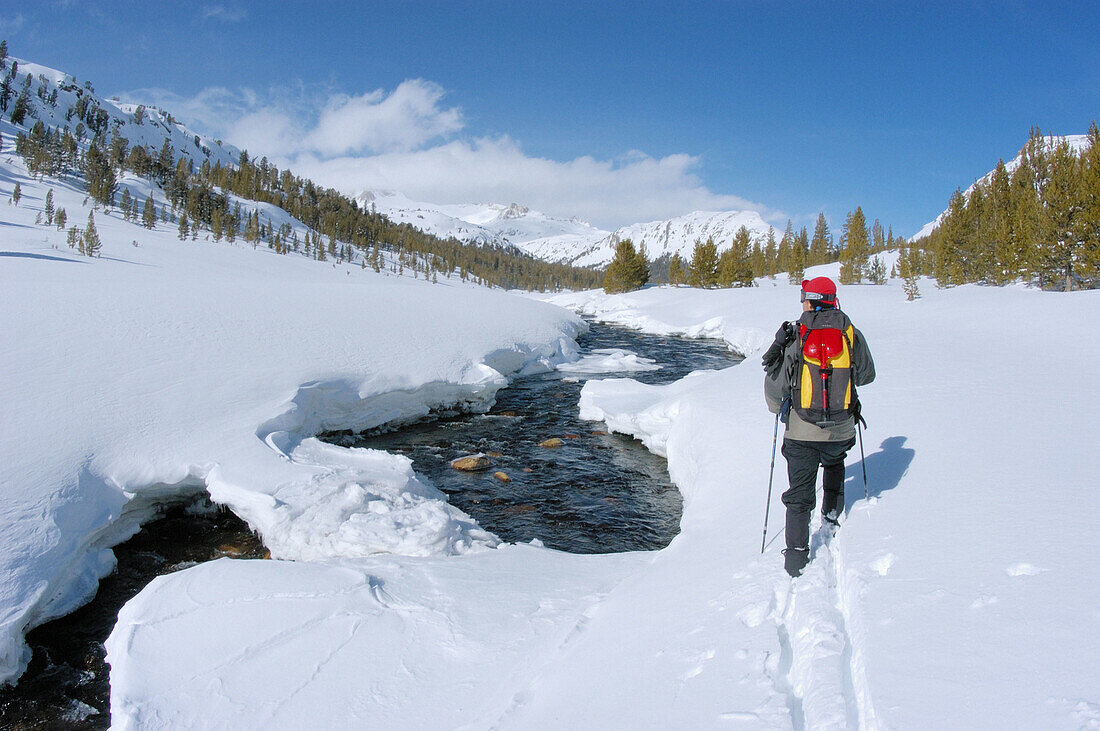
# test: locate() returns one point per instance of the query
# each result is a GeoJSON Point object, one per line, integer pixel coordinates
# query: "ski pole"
{"type": "Point", "coordinates": [771, 476]}
{"type": "Point", "coordinates": [862, 461]}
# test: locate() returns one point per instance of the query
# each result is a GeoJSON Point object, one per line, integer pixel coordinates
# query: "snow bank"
{"type": "Point", "coordinates": [167, 367]}
{"type": "Point", "coordinates": [669, 311]}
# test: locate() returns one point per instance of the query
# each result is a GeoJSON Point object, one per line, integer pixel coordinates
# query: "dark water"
{"type": "Point", "coordinates": [66, 685]}
{"type": "Point", "coordinates": [597, 493]}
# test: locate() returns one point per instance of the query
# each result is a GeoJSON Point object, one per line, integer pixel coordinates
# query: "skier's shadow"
{"type": "Point", "coordinates": [885, 469]}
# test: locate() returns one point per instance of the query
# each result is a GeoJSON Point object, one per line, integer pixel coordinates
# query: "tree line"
{"type": "Point", "coordinates": [748, 258]}
{"type": "Point", "coordinates": [1038, 223]}
{"type": "Point", "coordinates": [207, 198]}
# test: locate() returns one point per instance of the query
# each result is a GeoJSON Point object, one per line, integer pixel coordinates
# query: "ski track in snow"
{"type": "Point", "coordinates": [821, 669]}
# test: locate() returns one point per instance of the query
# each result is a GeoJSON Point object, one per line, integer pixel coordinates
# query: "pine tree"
{"type": "Point", "coordinates": [99, 176]}
{"type": "Point", "coordinates": [1089, 218]}
{"type": "Point", "coordinates": [786, 245]}
{"type": "Point", "coordinates": [771, 255]}
{"type": "Point", "coordinates": [22, 105]}
{"type": "Point", "coordinates": [59, 218]}
{"type": "Point", "coordinates": [950, 241]}
{"type": "Point", "coordinates": [1026, 212]}
{"type": "Point", "coordinates": [820, 244]}
{"type": "Point", "coordinates": [49, 209]}
{"type": "Point", "coordinates": [877, 273]}
{"type": "Point", "coordinates": [1004, 266]}
{"type": "Point", "coordinates": [878, 238]}
{"type": "Point", "coordinates": [184, 230]}
{"type": "Point", "coordinates": [703, 271]}
{"type": "Point", "coordinates": [149, 214]}
{"type": "Point", "coordinates": [677, 272]}
{"type": "Point", "coordinates": [641, 267]}
{"type": "Point", "coordinates": [800, 253]}
{"type": "Point", "coordinates": [908, 270]}
{"type": "Point", "coordinates": [16, 194]}
{"type": "Point", "coordinates": [90, 243]}
{"type": "Point", "coordinates": [1062, 204]}
{"type": "Point", "coordinates": [124, 204]}
{"type": "Point", "coordinates": [735, 265]}
{"type": "Point", "coordinates": [853, 262]}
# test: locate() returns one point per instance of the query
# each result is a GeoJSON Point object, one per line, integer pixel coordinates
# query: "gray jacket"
{"type": "Point", "coordinates": [778, 386]}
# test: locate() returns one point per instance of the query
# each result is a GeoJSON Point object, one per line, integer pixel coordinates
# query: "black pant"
{"type": "Point", "coordinates": [801, 497]}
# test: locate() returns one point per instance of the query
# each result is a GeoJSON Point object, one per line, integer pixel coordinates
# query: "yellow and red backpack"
{"type": "Point", "coordinates": [822, 387]}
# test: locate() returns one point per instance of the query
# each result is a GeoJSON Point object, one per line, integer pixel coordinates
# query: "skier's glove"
{"type": "Point", "coordinates": [774, 355]}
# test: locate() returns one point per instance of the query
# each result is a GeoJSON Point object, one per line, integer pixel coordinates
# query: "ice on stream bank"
{"type": "Point", "coordinates": [609, 360]}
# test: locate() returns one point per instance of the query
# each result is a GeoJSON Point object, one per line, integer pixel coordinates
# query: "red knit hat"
{"type": "Point", "coordinates": [819, 290]}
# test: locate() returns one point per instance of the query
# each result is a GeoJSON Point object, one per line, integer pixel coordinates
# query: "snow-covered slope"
{"type": "Point", "coordinates": [69, 97]}
{"type": "Point", "coordinates": [1077, 143]}
{"type": "Point", "coordinates": [542, 236]}
{"type": "Point", "coordinates": [677, 235]}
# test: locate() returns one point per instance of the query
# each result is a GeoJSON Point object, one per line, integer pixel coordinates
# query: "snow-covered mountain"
{"type": "Point", "coordinates": [559, 240]}
{"type": "Point", "coordinates": [61, 102]}
{"type": "Point", "coordinates": [1077, 143]}
{"type": "Point", "coordinates": [541, 236]}
{"type": "Point", "coordinates": [677, 235]}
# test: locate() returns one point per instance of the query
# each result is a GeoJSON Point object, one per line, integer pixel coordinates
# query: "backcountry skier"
{"type": "Point", "coordinates": [813, 369]}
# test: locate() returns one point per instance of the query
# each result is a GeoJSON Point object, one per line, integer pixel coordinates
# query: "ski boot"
{"type": "Point", "coordinates": [795, 559]}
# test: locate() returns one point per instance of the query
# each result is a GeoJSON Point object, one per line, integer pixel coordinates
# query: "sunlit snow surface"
{"type": "Point", "coordinates": [920, 596]}
{"type": "Point", "coordinates": [960, 595]}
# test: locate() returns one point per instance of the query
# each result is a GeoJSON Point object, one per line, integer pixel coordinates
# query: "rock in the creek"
{"type": "Point", "coordinates": [503, 477]}
{"type": "Point", "coordinates": [493, 454]}
{"type": "Point", "coordinates": [528, 469]}
{"type": "Point", "coordinates": [472, 463]}
{"type": "Point", "coordinates": [506, 413]}
{"type": "Point", "coordinates": [228, 549]}
{"type": "Point", "coordinates": [552, 443]}
{"type": "Point", "coordinates": [599, 432]}
{"type": "Point", "coordinates": [570, 436]}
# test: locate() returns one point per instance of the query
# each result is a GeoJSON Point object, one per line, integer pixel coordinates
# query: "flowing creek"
{"type": "Point", "coordinates": [595, 493]}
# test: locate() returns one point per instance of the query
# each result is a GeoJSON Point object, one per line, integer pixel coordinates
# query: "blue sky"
{"type": "Point", "coordinates": [615, 112]}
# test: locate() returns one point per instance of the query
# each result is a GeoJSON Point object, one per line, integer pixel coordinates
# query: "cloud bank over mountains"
{"type": "Point", "coordinates": [409, 139]}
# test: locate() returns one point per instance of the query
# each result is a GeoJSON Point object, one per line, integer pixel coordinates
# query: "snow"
{"type": "Point", "coordinates": [167, 367]}
{"type": "Point", "coordinates": [610, 360]}
{"type": "Point", "coordinates": [954, 597]}
{"type": "Point", "coordinates": [960, 591]}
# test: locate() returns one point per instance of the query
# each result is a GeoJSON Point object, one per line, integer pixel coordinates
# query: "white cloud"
{"type": "Point", "coordinates": [606, 193]}
{"type": "Point", "coordinates": [374, 122]}
{"type": "Point", "coordinates": [408, 141]}
{"type": "Point", "coordinates": [222, 13]}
